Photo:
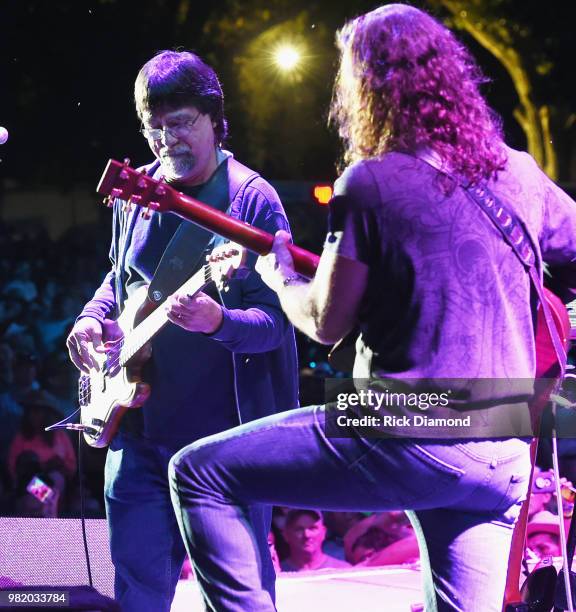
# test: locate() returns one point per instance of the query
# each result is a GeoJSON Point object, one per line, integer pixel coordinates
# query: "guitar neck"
{"type": "Point", "coordinates": [252, 238]}
{"type": "Point", "coordinates": [153, 323]}
{"type": "Point", "coordinates": [122, 181]}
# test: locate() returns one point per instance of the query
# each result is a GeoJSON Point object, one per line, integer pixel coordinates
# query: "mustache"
{"type": "Point", "coordinates": [172, 152]}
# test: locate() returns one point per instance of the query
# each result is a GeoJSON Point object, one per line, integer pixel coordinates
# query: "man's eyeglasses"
{"type": "Point", "coordinates": [179, 130]}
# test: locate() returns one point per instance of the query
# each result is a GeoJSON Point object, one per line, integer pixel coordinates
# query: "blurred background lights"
{"type": "Point", "coordinates": [322, 193]}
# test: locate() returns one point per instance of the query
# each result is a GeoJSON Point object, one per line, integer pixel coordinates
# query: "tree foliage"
{"type": "Point", "coordinates": [282, 114]}
{"type": "Point", "coordinates": [528, 52]}
{"type": "Point", "coordinates": [531, 44]}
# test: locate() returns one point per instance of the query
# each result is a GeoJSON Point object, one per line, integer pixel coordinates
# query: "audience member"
{"type": "Point", "coordinates": [400, 552]}
{"type": "Point", "coordinates": [25, 380]}
{"type": "Point", "coordinates": [54, 450]}
{"type": "Point", "coordinates": [21, 285]}
{"type": "Point", "coordinates": [34, 493]}
{"type": "Point", "coordinates": [375, 533]}
{"type": "Point", "coordinates": [10, 409]}
{"type": "Point", "coordinates": [274, 552]}
{"type": "Point", "coordinates": [338, 525]}
{"type": "Point", "coordinates": [54, 322]}
{"type": "Point", "coordinates": [6, 366]}
{"type": "Point", "coordinates": [543, 535]}
{"type": "Point", "coordinates": [304, 532]}
{"type": "Point", "coordinates": [369, 543]}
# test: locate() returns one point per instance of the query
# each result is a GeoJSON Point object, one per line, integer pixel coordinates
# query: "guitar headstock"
{"type": "Point", "coordinates": [122, 181]}
{"type": "Point", "coordinates": [224, 261]}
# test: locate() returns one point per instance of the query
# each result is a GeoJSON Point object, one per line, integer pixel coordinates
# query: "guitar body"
{"type": "Point", "coordinates": [108, 392]}
{"type": "Point", "coordinates": [546, 360]}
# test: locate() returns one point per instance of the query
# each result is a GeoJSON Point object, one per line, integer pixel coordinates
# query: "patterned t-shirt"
{"type": "Point", "coordinates": [446, 296]}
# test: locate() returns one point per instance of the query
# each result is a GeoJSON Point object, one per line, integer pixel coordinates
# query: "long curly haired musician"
{"type": "Point", "coordinates": [436, 421]}
{"type": "Point", "coordinates": [406, 83]}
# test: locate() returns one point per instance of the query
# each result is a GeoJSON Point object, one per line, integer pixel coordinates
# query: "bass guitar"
{"type": "Point", "coordinates": [117, 385]}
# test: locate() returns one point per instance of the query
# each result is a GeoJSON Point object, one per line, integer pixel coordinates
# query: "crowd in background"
{"type": "Point", "coordinates": [43, 285]}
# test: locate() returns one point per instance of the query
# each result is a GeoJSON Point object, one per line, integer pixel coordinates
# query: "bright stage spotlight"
{"type": "Point", "coordinates": [287, 57]}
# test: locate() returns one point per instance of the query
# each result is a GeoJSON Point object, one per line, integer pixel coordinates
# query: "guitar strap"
{"type": "Point", "coordinates": [184, 253]}
{"type": "Point", "coordinates": [515, 235]}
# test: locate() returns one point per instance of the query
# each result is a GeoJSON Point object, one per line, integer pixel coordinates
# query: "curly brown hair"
{"type": "Point", "coordinates": [406, 84]}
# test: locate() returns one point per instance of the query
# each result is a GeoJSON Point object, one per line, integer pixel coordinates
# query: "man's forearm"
{"type": "Point", "coordinates": [104, 302]}
{"type": "Point", "coordinates": [299, 305]}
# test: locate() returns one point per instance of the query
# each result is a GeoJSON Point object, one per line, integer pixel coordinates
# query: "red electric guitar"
{"type": "Point", "coordinates": [121, 181]}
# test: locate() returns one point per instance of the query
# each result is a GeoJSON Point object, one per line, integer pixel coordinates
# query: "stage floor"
{"type": "Point", "coordinates": [393, 588]}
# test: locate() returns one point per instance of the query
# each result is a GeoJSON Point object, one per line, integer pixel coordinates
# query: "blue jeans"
{"type": "Point", "coordinates": [464, 499]}
{"type": "Point", "coordinates": [145, 541]}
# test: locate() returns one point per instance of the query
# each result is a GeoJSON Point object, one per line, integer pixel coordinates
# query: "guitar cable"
{"type": "Point", "coordinates": [63, 424]}
{"type": "Point", "coordinates": [82, 517]}
{"type": "Point", "coordinates": [558, 400]}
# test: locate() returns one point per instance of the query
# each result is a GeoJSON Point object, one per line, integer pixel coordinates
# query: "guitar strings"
{"type": "Point", "coordinates": [117, 355]}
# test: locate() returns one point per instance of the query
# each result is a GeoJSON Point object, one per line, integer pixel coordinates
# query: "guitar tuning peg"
{"type": "Point", "coordinates": [109, 199]}
{"type": "Point", "coordinates": [124, 175]}
{"type": "Point", "coordinates": [126, 161]}
{"type": "Point", "coordinates": [135, 199]}
{"type": "Point", "coordinates": [127, 206]}
{"type": "Point", "coordinates": [152, 207]}
{"type": "Point", "coordinates": [141, 183]}
{"type": "Point", "coordinates": [160, 190]}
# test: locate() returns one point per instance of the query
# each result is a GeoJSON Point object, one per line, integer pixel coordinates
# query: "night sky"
{"type": "Point", "coordinates": [67, 70]}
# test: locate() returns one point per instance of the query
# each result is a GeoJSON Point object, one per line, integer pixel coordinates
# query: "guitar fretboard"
{"type": "Point", "coordinates": [152, 324]}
